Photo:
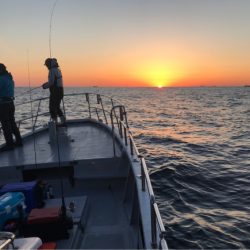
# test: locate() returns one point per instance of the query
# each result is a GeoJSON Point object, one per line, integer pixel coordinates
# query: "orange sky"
{"type": "Point", "coordinates": [129, 43]}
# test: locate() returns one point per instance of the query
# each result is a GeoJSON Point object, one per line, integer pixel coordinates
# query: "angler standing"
{"type": "Point", "coordinates": [7, 110]}
{"type": "Point", "coordinates": [55, 85]}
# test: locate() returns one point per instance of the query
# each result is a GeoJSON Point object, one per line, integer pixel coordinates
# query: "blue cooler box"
{"type": "Point", "coordinates": [29, 189]}
{"type": "Point", "coordinates": [9, 207]}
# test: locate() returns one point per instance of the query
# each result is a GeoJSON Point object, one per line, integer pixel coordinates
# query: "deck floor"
{"type": "Point", "coordinates": [78, 141]}
{"type": "Point", "coordinates": [107, 227]}
{"type": "Point", "coordinates": [107, 224]}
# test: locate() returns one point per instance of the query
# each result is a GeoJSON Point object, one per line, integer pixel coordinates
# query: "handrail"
{"type": "Point", "coordinates": [150, 189]}
{"type": "Point", "coordinates": [155, 214]}
{"type": "Point", "coordinates": [133, 144]}
{"type": "Point", "coordinates": [90, 108]}
{"type": "Point", "coordinates": [67, 95]}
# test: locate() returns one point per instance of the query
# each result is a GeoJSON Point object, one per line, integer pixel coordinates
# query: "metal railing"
{"type": "Point", "coordinates": [125, 134]}
{"type": "Point", "coordinates": [93, 106]}
{"type": "Point", "coordinates": [96, 109]}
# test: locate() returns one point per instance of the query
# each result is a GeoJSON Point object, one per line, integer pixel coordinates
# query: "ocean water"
{"type": "Point", "coordinates": [196, 142]}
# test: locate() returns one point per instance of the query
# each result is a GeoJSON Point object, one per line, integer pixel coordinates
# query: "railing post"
{"type": "Point", "coordinates": [99, 99]}
{"type": "Point", "coordinates": [126, 119]}
{"type": "Point", "coordinates": [113, 132]}
{"type": "Point", "coordinates": [121, 113]}
{"type": "Point", "coordinates": [120, 129]}
{"type": "Point", "coordinates": [97, 114]}
{"type": "Point", "coordinates": [87, 99]}
{"type": "Point", "coordinates": [131, 146]}
{"type": "Point", "coordinates": [125, 136]}
{"type": "Point", "coordinates": [153, 222]}
{"type": "Point", "coordinates": [142, 174]}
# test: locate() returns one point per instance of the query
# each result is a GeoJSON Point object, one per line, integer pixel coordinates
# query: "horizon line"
{"type": "Point", "coordinates": [155, 87]}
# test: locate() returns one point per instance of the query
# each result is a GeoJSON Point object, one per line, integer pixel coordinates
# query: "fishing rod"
{"type": "Point", "coordinates": [50, 39]}
{"type": "Point", "coordinates": [50, 27]}
{"type": "Point", "coordinates": [31, 109]}
{"type": "Point", "coordinates": [28, 91]}
{"type": "Point", "coordinates": [63, 206]}
{"type": "Point", "coordinates": [32, 89]}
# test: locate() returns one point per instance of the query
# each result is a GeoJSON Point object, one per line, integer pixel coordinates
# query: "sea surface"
{"type": "Point", "coordinates": [196, 142]}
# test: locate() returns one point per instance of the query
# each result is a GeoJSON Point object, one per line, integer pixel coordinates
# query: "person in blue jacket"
{"type": "Point", "coordinates": [55, 85]}
{"type": "Point", "coordinates": [7, 110]}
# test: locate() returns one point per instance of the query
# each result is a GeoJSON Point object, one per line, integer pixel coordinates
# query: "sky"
{"type": "Point", "coordinates": [128, 43]}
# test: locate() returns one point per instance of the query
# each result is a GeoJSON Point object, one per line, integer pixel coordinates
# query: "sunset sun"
{"type": "Point", "coordinates": [158, 74]}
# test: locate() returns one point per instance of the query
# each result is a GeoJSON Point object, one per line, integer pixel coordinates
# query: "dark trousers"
{"type": "Point", "coordinates": [56, 96]}
{"type": "Point", "coordinates": [9, 127]}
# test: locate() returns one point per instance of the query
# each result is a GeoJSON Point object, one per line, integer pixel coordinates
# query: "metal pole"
{"type": "Point", "coordinates": [125, 136]}
{"type": "Point", "coordinates": [131, 146]}
{"type": "Point", "coordinates": [142, 174]}
{"type": "Point", "coordinates": [97, 114]}
{"type": "Point", "coordinates": [153, 222]}
{"type": "Point", "coordinates": [87, 99]}
{"type": "Point", "coordinates": [120, 129]}
{"type": "Point", "coordinates": [100, 100]}
{"type": "Point", "coordinates": [113, 132]}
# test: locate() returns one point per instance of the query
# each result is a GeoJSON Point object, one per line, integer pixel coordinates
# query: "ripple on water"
{"type": "Point", "coordinates": [196, 142]}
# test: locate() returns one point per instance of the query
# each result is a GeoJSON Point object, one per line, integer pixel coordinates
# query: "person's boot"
{"type": "Point", "coordinates": [55, 120]}
{"type": "Point", "coordinates": [7, 147]}
{"type": "Point", "coordinates": [19, 143]}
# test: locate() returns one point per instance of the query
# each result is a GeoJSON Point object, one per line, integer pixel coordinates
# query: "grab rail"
{"type": "Point", "coordinates": [145, 180]}
{"type": "Point", "coordinates": [90, 110]}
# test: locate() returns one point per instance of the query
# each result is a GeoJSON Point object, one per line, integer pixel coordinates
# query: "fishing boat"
{"type": "Point", "coordinates": [90, 170]}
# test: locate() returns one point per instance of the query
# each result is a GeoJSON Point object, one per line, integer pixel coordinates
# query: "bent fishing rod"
{"type": "Point", "coordinates": [31, 89]}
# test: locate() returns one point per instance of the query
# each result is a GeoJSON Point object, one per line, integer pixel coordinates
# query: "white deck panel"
{"type": "Point", "coordinates": [79, 141]}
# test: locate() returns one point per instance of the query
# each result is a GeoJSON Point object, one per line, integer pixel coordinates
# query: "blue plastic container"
{"type": "Point", "coordinates": [9, 207]}
{"type": "Point", "coordinates": [29, 189]}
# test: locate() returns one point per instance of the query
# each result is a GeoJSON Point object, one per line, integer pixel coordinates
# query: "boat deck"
{"type": "Point", "coordinates": [96, 169]}
{"type": "Point", "coordinates": [77, 142]}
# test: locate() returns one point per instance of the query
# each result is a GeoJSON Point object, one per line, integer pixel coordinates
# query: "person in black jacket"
{"type": "Point", "coordinates": [7, 110]}
{"type": "Point", "coordinates": [55, 85]}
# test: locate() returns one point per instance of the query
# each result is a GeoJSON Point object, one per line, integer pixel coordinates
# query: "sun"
{"type": "Point", "coordinates": [158, 74]}
{"type": "Point", "coordinates": [159, 83]}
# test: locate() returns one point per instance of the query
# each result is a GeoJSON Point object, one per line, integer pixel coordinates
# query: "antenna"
{"type": "Point", "coordinates": [50, 27]}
